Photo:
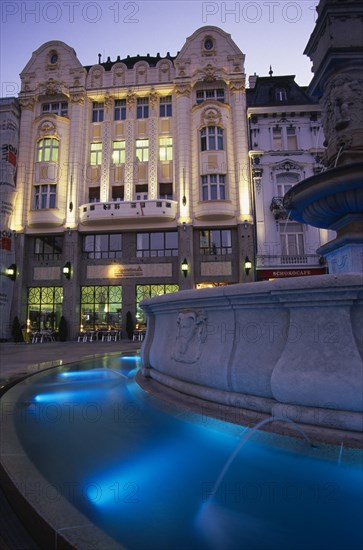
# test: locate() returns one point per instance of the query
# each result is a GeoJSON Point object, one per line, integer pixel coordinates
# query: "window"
{"type": "Point", "coordinates": [142, 109]}
{"type": "Point", "coordinates": [213, 187]}
{"type": "Point", "coordinates": [58, 108]}
{"type": "Point", "coordinates": [284, 138]}
{"type": "Point", "coordinates": [166, 191]}
{"type": "Point", "coordinates": [96, 154]}
{"type": "Point", "coordinates": [118, 152]}
{"type": "Point", "coordinates": [291, 138]}
{"type": "Point", "coordinates": [94, 194]}
{"type": "Point", "coordinates": [284, 182]}
{"type": "Point", "coordinates": [49, 247]}
{"type": "Point", "coordinates": [120, 109]}
{"type": "Point", "coordinates": [149, 291]}
{"type": "Point", "coordinates": [44, 308]}
{"type": "Point", "coordinates": [97, 111]}
{"type": "Point", "coordinates": [166, 148]}
{"type": "Point", "coordinates": [117, 192]}
{"type": "Point", "coordinates": [280, 94]}
{"type": "Point", "coordinates": [142, 150]}
{"type": "Point", "coordinates": [45, 196]}
{"type": "Point", "coordinates": [47, 150]}
{"type": "Point", "coordinates": [103, 246]}
{"type": "Point", "coordinates": [101, 307]}
{"type": "Point", "coordinates": [165, 106]}
{"type": "Point", "coordinates": [211, 138]}
{"type": "Point", "coordinates": [215, 241]}
{"type": "Point", "coordinates": [141, 192]}
{"type": "Point", "coordinates": [277, 138]}
{"type": "Point", "coordinates": [150, 245]}
{"type": "Point", "coordinates": [203, 95]}
{"type": "Point", "coordinates": [292, 239]}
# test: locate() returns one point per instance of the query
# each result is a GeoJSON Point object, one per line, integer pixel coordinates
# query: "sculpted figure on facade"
{"type": "Point", "coordinates": [191, 334]}
{"type": "Point", "coordinates": [342, 105]}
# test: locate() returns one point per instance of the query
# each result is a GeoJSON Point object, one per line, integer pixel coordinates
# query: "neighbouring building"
{"type": "Point", "coordinates": [134, 179]}
{"type": "Point", "coordinates": [286, 146]}
{"type": "Point", "coordinates": [9, 136]}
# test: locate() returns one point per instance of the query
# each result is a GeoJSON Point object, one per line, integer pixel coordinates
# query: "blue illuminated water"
{"type": "Point", "coordinates": [143, 470]}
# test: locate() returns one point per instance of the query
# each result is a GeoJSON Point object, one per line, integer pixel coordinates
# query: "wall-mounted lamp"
{"type": "Point", "coordinates": [11, 272]}
{"type": "Point", "coordinates": [67, 268]}
{"type": "Point", "coordinates": [185, 267]}
{"type": "Point", "coordinates": [69, 231]}
{"type": "Point", "coordinates": [247, 265]}
{"type": "Point", "coordinates": [184, 226]}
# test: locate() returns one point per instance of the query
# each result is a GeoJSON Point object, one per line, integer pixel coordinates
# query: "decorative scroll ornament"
{"type": "Point", "coordinates": [77, 97]}
{"type": "Point", "coordinates": [153, 98]}
{"type": "Point", "coordinates": [28, 102]}
{"type": "Point", "coordinates": [108, 101]}
{"type": "Point", "coordinates": [130, 99]}
{"type": "Point", "coordinates": [53, 87]}
{"type": "Point", "coordinates": [210, 73]}
{"type": "Point", "coordinates": [47, 128]}
{"type": "Point", "coordinates": [257, 172]}
{"type": "Point", "coordinates": [211, 117]}
{"type": "Point", "coordinates": [183, 90]}
{"type": "Point", "coordinates": [287, 165]}
{"type": "Point", "coordinates": [191, 334]}
{"type": "Point", "coordinates": [237, 86]}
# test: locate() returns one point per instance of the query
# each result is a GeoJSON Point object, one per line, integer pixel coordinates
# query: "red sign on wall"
{"type": "Point", "coordinates": [264, 274]}
{"type": "Point", "coordinates": [5, 243]}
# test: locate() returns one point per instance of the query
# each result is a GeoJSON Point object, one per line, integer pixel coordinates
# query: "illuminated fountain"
{"type": "Point", "coordinates": [334, 198]}
{"type": "Point", "coordinates": [289, 348]}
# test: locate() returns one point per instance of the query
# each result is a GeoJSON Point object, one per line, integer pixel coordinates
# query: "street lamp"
{"type": "Point", "coordinates": [67, 268]}
{"type": "Point", "coordinates": [11, 272]}
{"type": "Point", "coordinates": [247, 265]}
{"type": "Point", "coordinates": [185, 267]}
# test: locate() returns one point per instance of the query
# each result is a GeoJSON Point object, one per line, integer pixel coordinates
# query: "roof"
{"type": "Point", "coordinates": [130, 61]}
{"type": "Point", "coordinates": [264, 92]}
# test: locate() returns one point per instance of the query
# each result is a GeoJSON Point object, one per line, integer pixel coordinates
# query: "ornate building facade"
{"type": "Point", "coordinates": [134, 179]}
{"type": "Point", "coordinates": [286, 146]}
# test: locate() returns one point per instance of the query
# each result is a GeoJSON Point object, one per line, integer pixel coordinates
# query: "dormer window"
{"type": "Point", "coordinates": [281, 94]}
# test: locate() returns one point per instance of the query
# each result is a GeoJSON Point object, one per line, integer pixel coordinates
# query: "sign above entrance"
{"type": "Point", "coordinates": [117, 271]}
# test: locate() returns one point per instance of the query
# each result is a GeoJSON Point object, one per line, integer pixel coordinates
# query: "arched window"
{"type": "Point", "coordinates": [211, 139]}
{"type": "Point", "coordinates": [47, 150]}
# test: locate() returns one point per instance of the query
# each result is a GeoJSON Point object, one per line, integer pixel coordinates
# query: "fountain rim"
{"type": "Point", "coordinates": [42, 524]}
{"type": "Point", "coordinates": [320, 187]}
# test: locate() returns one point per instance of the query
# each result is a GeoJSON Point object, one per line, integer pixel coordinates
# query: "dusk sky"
{"type": "Point", "coordinates": [269, 32]}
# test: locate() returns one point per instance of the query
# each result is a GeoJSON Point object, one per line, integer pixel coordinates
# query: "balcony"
{"type": "Point", "coordinates": [277, 208]}
{"type": "Point", "coordinates": [130, 211]}
{"type": "Point", "coordinates": [215, 210]}
{"type": "Point", "coordinates": [46, 217]}
{"type": "Point", "coordinates": [310, 260]}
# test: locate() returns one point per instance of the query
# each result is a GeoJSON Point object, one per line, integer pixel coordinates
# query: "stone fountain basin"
{"type": "Point", "coordinates": [325, 199]}
{"type": "Point", "coordinates": [290, 347]}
